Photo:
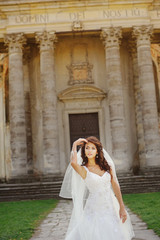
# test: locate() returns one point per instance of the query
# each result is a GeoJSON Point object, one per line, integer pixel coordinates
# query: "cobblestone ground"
{"type": "Point", "coordinates": [55, 225]}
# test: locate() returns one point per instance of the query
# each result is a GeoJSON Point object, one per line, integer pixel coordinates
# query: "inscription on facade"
{"type": "Point", "coordinates": [39, 18]}
{"type": "Point", "coordinates": [124, 13]}
{"type": "Point", "coordinates": [62, 16]}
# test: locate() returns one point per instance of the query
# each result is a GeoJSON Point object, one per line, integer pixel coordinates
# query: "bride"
{"type": "Point", "coordinates": [98, 209]}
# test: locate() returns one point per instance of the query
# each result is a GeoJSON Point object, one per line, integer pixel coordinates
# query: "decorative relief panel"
{"type": "Point", "coordinates": [80, 70]}
{"type": "Point", "coordinates": [80, 73]}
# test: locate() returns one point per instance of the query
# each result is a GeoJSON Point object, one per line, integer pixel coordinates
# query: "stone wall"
{"type": "Point", "coordinates": [84, 59]}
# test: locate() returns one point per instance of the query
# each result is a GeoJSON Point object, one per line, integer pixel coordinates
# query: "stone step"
{"type": "Point", "coordinates": [33, 179]}
{"type": "Point", "coordinates": [5, 185]}
{"type": "Point", "coordinates": [123, 184]}
{"type": "Point", "coordinates": [139, 178]}
{"type": "Point", "coordinates": [28, 197]}
{"type": "Point", "coordinates": [16, 190]}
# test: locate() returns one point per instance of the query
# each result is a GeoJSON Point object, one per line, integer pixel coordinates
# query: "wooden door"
{"type": "Point", "coordinates": [83, 125]}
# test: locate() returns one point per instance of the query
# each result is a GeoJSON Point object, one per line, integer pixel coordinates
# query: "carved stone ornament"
{"type": "Point", "coordinates": [85, 92]}
{"type": "Point", "coordinates": [80, 73]}
{"type": "Point", "coordinates": [80, 70]}
{"type": "Point", "coordinates": [77, 26]}
{"type": "Point", "coordinates": [111, 36]}
{"type": "Point", "coordinates": [143, 34]}
{"type": "Point", "coordinates": [15, 42]}
{"type": "Point", "coordinates": [46, 39]}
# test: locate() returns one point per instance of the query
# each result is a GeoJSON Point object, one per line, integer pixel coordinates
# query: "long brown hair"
{"type": "Point", "coordinates": [100, 160]}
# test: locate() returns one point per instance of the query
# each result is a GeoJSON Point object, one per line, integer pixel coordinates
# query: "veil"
{"type": "Point", "coordinates": [73, 187]}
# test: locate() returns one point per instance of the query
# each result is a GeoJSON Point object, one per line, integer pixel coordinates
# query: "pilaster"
{"type": "Point", "coordinates": [27, 104]}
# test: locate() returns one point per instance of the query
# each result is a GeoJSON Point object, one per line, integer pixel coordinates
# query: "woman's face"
{"type": "Point", "coordinates": [90, 150]}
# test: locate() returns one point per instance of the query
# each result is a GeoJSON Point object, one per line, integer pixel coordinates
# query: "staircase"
{"type": "Point", "coordinates": [140, 184]}
{"type": "Point", "coordinates": [30, 188]}
{"type": "Point", "coordinates": [49, 187]}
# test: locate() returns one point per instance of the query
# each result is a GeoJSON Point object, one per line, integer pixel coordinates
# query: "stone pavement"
{"type": "Point", "coordinates": [55, 225]}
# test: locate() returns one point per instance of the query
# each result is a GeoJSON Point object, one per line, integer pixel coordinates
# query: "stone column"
{"type": "Point", "coordinates": [111, 37]}
{"type": "Point", "coordinates": [16, 104]}
{"type": "Point", "coordinates": [46, 41]}
{"type": "Point", "coordinates": [138, 106]}
{"type": "Point", "coordinates": [2, 127]}
{"type": "Point", "coordinates": [147, 85]}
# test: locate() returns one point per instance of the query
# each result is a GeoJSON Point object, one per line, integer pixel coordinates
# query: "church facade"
{"type": "Point", "coordinates": [71, 69]}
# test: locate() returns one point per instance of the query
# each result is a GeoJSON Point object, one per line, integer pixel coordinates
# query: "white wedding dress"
{"type": "Point", "coordinates": [99, 219]}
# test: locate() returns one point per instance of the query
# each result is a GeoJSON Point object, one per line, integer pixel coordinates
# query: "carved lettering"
{"type": "Point", "coordinates": [77, 16]}
{"type": "Point", "coordinates": [111, 13]}
{"type": "Point", "coordinates": [136, 12]}
{"type": "Point", "coordinates": [122, 13]}
{"type": "Point", "coordinates": [41, 18]}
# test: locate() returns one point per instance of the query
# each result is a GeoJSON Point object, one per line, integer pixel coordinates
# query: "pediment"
{"type": "Point", "coordinates": [85, 92]}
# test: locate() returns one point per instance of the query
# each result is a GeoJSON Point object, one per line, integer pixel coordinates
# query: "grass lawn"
{"type": "Point", "coordinates": [147, 207]}
{"type": "Point", "coordinates": [19, 219]}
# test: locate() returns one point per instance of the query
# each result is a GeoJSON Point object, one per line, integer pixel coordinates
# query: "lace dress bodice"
{"type": "Point", "coordinates": [99, 201]}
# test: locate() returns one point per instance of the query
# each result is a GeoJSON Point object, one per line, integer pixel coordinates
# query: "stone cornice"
{"type": "Point", "coordinates": [62, 17]}
{"type": "Point", "coordinates": [82, 93]}
{"type": "Point", "coordinates": [26, 7]}
{"type": "Point", "coordinates": [83, 3]}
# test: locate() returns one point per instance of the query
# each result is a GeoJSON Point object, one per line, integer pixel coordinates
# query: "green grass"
{"type": "Point", "coordinates": [19, 219]}
{"type": "Point", "coordinates": [147, 207]}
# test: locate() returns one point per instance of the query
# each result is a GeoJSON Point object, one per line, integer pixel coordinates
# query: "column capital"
{"type": "Point", "coordinates": [111, 36]}
{"type": "Point", "coordinates": [142, 34]}
{"type": "Point", "coordinates": [46, 40]}
{"type": "Point", "coordinates": [15, 42]}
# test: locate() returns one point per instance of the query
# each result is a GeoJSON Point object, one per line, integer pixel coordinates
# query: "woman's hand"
{"type": "Point", "coordinates": [78, 142]}
{"type": "Point", "coordinates": [123, 214]}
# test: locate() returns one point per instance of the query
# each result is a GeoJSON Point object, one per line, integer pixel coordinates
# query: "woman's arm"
{"type": "Point", "coordinates": [79, 169]}
{"type": "Point", "coordinates": [117, 191]}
